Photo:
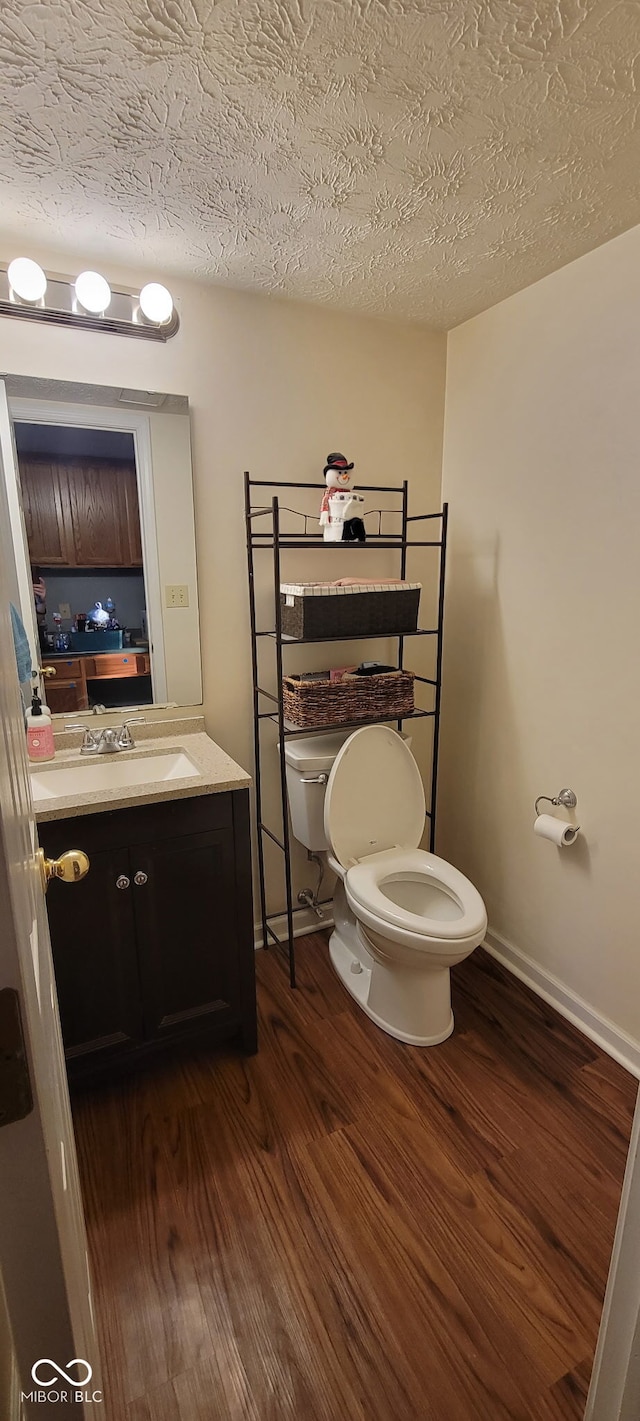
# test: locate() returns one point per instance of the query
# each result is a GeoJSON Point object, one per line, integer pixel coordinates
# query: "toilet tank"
{"type": "Point", "coordinates": [308, 760]}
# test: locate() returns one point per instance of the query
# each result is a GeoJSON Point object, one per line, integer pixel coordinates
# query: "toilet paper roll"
{"type": "Point", "coordinates": [557, 830]}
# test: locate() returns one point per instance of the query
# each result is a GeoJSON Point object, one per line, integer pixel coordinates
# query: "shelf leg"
{"type": "Point", "coordinates": [436, 720]}
{"type": "Point", "coordinates": [283, 763]}
{"type": "Point", "coordinates": [256, 708]}
{"type": "Point", "coordinates": [403, 567]}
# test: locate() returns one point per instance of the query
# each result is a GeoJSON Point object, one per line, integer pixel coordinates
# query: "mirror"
{"type": "Point", "coordinates": [103, 528]}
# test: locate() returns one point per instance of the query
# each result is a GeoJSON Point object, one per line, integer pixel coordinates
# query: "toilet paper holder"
{"type": "Point", "coordinates": [566, 798]}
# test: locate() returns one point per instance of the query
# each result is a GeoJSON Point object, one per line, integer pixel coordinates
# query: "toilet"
{"type": "Point", "coordinates": [402, 917]}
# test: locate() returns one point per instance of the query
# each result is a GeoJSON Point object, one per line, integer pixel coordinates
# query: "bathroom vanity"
{"type": "Point", "coordinates": [155, 946]}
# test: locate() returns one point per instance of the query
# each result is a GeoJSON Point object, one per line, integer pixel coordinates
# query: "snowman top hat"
{"type": "Point", "coordinates": [337, 462]}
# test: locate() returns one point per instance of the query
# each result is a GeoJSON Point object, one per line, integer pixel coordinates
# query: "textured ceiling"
{"type": "Point", "coordinates": [412, 158]}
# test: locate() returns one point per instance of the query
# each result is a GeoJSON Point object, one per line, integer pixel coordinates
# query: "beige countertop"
{"type": "Point", "coordinates": [217, 771]}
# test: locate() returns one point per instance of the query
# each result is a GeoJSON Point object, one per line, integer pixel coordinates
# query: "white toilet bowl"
{"type": "Point", "coordinates": [403, 917]}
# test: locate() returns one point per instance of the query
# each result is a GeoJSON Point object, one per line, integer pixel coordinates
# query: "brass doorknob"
{"type": "Point", "coordinates": [70, 867]}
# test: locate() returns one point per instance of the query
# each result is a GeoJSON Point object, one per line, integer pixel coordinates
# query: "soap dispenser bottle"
{"type": "Point", "coordinates": [40, 742]}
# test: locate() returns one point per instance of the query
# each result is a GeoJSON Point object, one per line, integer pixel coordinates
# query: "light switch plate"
{"type": "Point", "coordinates": [64, 609]}
{"type": "Point", "coordinates": [176, 594]}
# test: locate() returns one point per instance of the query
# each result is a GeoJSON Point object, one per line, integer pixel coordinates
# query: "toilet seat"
{"type": "Point", "coordinates": [374, 816]}
{"type": "Point", "coordinates": [374, 798]}
{"type": "Point", "coordinates": [459, 915]}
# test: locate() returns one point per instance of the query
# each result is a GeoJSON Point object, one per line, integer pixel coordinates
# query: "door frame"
{"type": "Point", "coordinates": [614, 1393]}
{"type": "Point", "coordinates": [133, 422]}
{"type": "Point", "coordinates": [9, 461]}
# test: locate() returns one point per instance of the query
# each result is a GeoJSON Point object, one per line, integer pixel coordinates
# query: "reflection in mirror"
{"type": "Point", "coordinates": [80, 501]}
{"type": "Point", "coordinates": [104, 482]}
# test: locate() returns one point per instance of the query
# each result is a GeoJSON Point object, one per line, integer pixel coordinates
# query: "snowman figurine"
{"type": "Point", "coordinates": [340, 513]}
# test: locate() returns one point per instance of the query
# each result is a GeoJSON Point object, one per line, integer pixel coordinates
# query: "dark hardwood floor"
{"type": "Point", "coordinates": [343, 1228]}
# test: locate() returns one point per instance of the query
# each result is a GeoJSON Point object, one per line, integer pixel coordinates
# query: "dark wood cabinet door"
{"type": "Point", "coordinates": [66, 697]}
{"type": "Point", "coordinates": [81, 512]}
{"type": "Point", "coordinates": [46, 514]}
{"type": "Point", "coordinates": [134, 534]}
{"type": "Point", "coordinates": [98, 513]}
{"type": "Point", "coordinates": [94, 950]}
{"type": "Point", "coordinates": [168, 956]}
{"type": "Point", "coordinates": [184, 897]}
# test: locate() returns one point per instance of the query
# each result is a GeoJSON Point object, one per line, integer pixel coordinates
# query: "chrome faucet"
{"type": "Point", "coordinates": [90, 741]}
{"type": "Point", "coordinates": [109, 741]}
{"type": "Point", "coordinates": [114, 739]}
{"type": "Point", "coordinates": [125, 738]}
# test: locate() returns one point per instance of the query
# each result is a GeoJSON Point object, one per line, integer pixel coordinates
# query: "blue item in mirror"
{"type": "Point", "coordinates": [97, 615]}
{"type": "Point", "coordinates": [110, 606]}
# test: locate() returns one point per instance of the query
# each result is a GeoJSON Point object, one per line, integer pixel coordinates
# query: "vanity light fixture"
{"type": "Point", "coordinates": [26, 279]}
{"type": "Point", "coordinates": [93, 292]}
{"type": "Point", "coordinates": [156, 303]}
{"type": "Point", "coordinates": [86, 301]}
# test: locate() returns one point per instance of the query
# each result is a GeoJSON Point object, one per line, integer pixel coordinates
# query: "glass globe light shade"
{"type": "Point", "coordinates": [156, 303]}
{"type": "Point", "coordinates": [93, 292]}
{"type": "Point", "coordinates": [27, 279]}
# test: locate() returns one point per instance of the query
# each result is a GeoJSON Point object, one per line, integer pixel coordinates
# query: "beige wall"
{"type": "Point", "coordinates": [273, 386]}
{"type": "Point", "coordinates": [542, 672]}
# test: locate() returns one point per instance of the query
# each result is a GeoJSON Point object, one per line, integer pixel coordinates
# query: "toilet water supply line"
{"type": "Point", "coordinates": [306, 896]}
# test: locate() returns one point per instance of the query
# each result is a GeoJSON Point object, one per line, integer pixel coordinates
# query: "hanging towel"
{"type": "Point", "coordinates": [22, 648]}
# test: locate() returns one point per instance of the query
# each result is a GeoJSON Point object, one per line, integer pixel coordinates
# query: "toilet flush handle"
{"type": "Point", "coordinates": [313, 779]}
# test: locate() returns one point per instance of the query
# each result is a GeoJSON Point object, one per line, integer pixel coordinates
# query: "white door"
{"type": "Point", "coordinates": [43, 1253]}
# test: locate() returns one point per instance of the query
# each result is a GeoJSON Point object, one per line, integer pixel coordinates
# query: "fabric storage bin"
{"type": "Point", "coordinates": [318, 611]}
{"type": "Point", "coordinates": [389, 695]}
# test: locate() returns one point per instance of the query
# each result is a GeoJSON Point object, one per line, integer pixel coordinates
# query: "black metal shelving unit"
{"type": "Point", "coordinates": [277, 542]}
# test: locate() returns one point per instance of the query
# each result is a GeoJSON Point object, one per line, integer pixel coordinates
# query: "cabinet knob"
{"type": "Point", "coordinates": [140, 878]}
{"type": "Point", "coordinates": [122, 881]}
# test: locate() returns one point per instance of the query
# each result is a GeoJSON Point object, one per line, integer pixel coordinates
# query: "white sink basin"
{"type": "Point", "coordinates": [110, 772]}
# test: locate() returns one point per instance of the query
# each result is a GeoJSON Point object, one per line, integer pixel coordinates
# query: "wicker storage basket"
{"type": "Point", "coordinates": [311, 703]}
{"type": "Point", "coordinates": [318, 611]}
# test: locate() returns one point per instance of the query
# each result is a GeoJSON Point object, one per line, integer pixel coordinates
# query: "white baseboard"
{"type": "Point", "coordinates": [598, 1028]}
{"type": "Point", "coordinates": [305, 923]}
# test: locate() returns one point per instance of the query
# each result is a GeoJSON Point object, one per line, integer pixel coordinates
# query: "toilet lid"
{"type": "Point", "coordinates": [374, 798]}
